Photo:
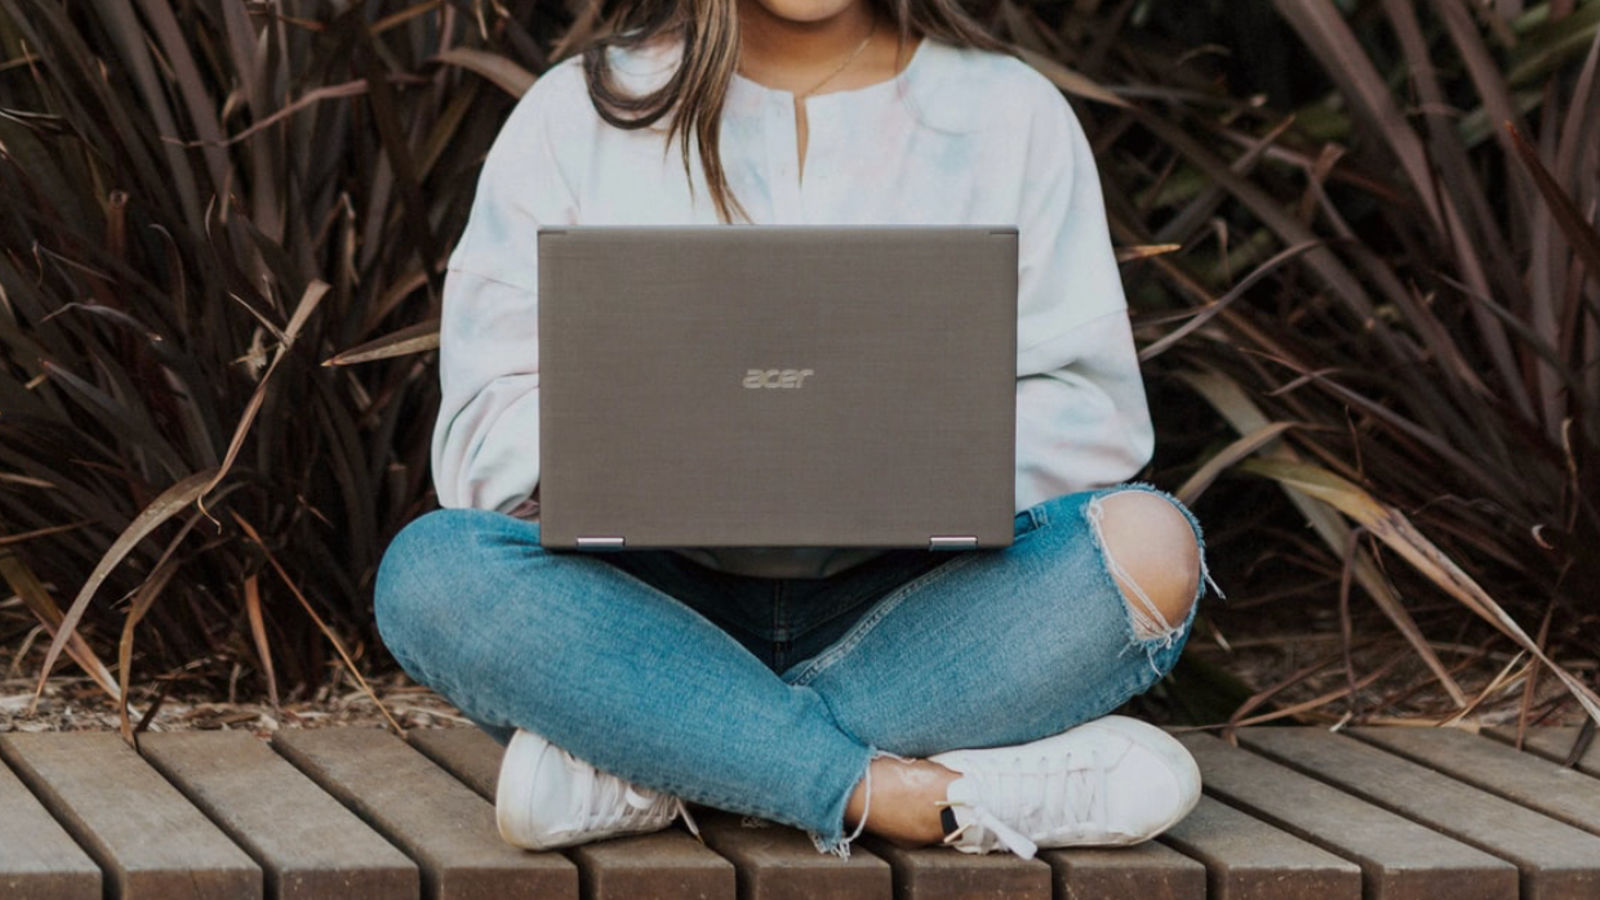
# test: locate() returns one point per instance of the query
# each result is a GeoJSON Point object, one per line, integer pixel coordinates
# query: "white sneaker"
{"type": "Point", "coordinates": [546, 798]}
{"type": "Point", "coordinates": [1108, 782]}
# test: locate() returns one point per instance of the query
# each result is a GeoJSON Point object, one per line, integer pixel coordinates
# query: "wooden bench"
{"type": "Point", "coordinates": [360, 813]}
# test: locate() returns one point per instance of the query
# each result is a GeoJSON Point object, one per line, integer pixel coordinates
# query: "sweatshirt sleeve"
{"type": "Point", "coordinates": [1082, 417]}
{"type": "Point", "coordinates": [485, 448]}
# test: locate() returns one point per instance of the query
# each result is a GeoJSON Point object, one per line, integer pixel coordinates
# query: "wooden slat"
{"type": "Point", "coordinates": [38, 859]}
{"type": "Point", "coordinates": [1523, 778]}
{"type": "Point", "coordinates": [1149, 871]}
{"type": "Point", "coordinates": [669, 863]}
{"type": "Point", "coordinates": [467, 753]}
{"type": "Point", "coordinates": [449, 830]}
{"type": "Point", "coordinates": [665, 864]}
{"type": "Point", "coordinates": [149, 840]}
{"type": "Point", "coordinates": [1553, 744]}
{"type": "Point", "coordinates": [1556, 860]}
{"type": "Point", "coordinates": [776, 862]}
{"type": "Point", "coordinates": [942, 873]}
{"type": "Point", "coordinates": [1247, 859]}
{"type": "Point", "coordinates": [308, 844]}
{"type": "Point", "coordinates": [1399, 859]}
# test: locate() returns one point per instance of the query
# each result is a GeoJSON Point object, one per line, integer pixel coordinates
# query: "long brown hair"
{"type": "Point", "coordinates": [709, 31]}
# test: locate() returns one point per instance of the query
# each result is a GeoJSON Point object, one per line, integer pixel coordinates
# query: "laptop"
{"type": "Point", "coordinates": [777, 386]}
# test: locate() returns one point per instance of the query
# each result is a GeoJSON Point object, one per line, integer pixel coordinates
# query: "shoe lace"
{"type": "Point", "coordinates": [614, 802]}
{"type": "Point", "coordinates": [1034, 795]}
{"type": "Point", "coordinates": [681, 810]}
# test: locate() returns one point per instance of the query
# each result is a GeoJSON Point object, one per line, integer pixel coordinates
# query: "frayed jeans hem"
{"type": "Point", "coordinates": [834, 841]}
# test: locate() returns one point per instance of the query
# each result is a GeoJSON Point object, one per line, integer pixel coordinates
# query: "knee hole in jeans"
{"type": "Point", "coordinates": [1152, 554]}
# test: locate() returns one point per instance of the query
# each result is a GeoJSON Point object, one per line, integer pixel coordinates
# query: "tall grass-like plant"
{"type": "Point", "coordinates": [1387, 284]}
{"type": "Point", "coordinates": [1361, 233]}
{"type": "Point", "coordinates": [202, 203]}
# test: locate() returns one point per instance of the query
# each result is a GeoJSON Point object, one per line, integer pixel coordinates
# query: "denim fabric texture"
{"type": "Point", "coordinates": [762, 696]}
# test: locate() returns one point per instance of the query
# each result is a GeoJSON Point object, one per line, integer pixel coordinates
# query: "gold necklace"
{"type": "Point", "coordinates": [844, 65]}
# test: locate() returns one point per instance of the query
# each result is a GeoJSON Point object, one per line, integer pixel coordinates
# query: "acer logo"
{"type": "Point", "coordinates": [776, 378]}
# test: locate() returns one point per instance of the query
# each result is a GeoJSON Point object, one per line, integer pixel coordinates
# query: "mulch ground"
{"type": "Point", "coordinates": [1302, 663]}
{"type": "Point", "coordinates": [73, 703]}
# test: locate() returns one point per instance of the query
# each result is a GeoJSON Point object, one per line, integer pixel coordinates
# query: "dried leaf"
{"type": "Point", "coordinates": [38, 600]}
{"type": "Point", "coordinates": [1227, 458]}
{"type": "Point", "coordinates": [308, 302]}
{"type": "Point", "coordinates": [327, 632]}
{"type": "Point", "coordinates": [418, 338]}
{"type": "Point", "coordinates": [310, 98]}
{"type": "Point", "coordinates": [258, 630]}
{"type": "Point", "coordinates": [1235, 405]}
{"type": "Point", "coordinates": [510, 77]}
{"type": "Point", "coordinates": [9, 539]}
{"type": "Point", "coordinates": [142, 600]}
{"type": "Point", "coordinates": [168, 504]}
{"type": "Point", "coordinates": [1145, 251]}
{"type": "Point", "coordinates": [1393, 528]}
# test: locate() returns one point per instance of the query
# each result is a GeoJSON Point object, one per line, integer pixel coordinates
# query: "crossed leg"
{"type": "Point", "coordinates": [985, 650]}
{"type": "Point", "coordinates": [1153, 555]}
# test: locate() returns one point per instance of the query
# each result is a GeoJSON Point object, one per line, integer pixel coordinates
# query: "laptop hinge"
{"type": "Point", "coordinates": [952, 542]}
{"type": "Point", "coordinates": [600, 543]}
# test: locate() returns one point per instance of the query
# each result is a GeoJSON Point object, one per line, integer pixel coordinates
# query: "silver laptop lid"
{"type": "Point", "coordinates": [777, 386]}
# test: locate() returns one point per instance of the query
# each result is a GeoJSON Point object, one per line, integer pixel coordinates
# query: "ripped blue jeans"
{"type": "Point", "coordinates": [764, 696]}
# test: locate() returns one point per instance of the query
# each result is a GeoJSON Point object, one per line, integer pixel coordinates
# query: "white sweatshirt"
{"type": "Point", "coordinates": [960, 136]}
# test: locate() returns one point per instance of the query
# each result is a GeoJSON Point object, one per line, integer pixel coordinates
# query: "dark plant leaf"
{"type": "Point", "coordinates": [1585, 240]}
